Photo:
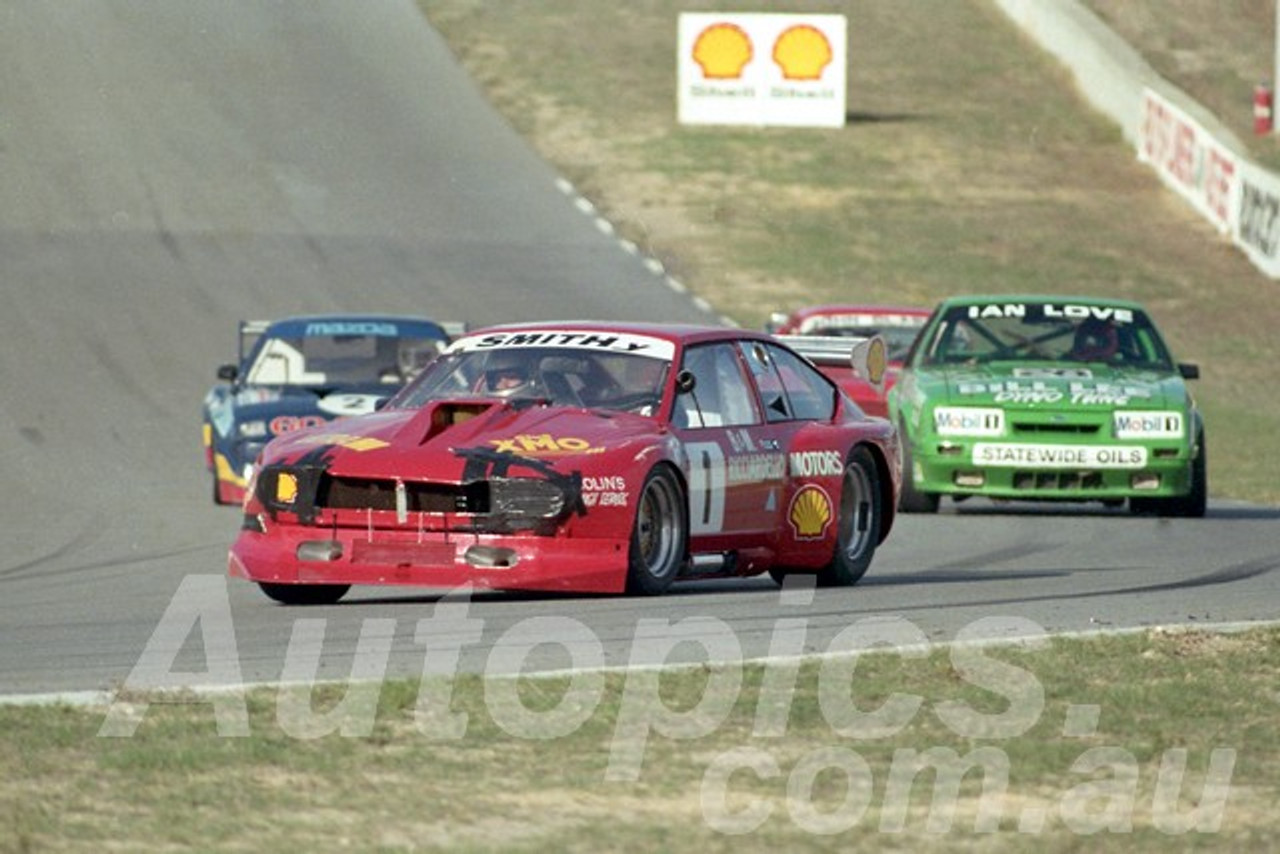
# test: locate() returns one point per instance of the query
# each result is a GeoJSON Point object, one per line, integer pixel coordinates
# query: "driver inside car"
{"type": "Point", "coordinates": [1095, 341]}
{"type": "Point", "coordinates": [506, 375]}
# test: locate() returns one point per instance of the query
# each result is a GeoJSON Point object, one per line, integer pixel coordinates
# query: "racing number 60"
{"type": "Point", "coordinates": [707, 480]}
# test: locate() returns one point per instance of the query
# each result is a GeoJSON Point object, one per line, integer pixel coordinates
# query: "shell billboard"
{"type": "Point", "coordinates": [762, 69]}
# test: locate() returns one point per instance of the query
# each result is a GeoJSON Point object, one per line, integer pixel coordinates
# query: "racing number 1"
{"type": "Point", "coordinates": [706, 487]}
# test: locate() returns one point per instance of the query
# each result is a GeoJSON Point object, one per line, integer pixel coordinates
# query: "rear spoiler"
{"type": "Point", "coordinates": [250, 330]}
{"type": "Point", "coordinates": [867, 356]}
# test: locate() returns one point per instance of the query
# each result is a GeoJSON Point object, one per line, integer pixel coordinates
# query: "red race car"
{"type": "Point", "coordinates": [898, 325]}
{"type": "Point", "coordinates": [579, 457]}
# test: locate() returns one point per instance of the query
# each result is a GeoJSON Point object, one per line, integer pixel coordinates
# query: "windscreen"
{"type": "Point", "coordinates": [341, 360]}
{"type": "Point", "coordinates": [559, 376]}
{"type": "Point", "coordinates": [1110, 335]}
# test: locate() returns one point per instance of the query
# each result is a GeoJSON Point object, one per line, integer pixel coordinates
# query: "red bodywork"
{"type": "Point", "coordinates": [897, 324]}
{"type": "Point", "coordinates": [397, 496]}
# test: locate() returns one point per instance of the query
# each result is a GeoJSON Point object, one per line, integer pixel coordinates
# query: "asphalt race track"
{"type": "Point", "coordinates": [167, 169]}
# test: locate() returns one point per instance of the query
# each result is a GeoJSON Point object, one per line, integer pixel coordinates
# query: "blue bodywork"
{"type": "Point", "coordinates": [301, 372]}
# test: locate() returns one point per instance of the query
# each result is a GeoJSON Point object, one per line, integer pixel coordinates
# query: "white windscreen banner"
{"type": "Point", "coordinates": [762, 69]}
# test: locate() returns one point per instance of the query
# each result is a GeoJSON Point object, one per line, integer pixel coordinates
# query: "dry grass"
{"type": "Point", "coordinates": [968, 165]}
{"type": "Point", "coordinates": [176, 785]}
{"type": "Point", "coordinates": [1216, 51]}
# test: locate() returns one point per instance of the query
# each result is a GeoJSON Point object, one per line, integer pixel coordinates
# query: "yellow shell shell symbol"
{"type": "Point", "coordinates": [810, 512]}
{"type": "Point", "coordinates": [722, 51]}
{"type": "Point", "coordinates": [802, 52]}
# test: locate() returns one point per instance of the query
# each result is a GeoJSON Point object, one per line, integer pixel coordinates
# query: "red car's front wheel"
{"type": "Point", "coordinates": [659, 536]}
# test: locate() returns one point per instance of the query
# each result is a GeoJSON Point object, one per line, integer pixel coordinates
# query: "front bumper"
{"type": "Point", "coordinates": [1053, 472]}
{"type": "Point", "coordinates": [301, 554]}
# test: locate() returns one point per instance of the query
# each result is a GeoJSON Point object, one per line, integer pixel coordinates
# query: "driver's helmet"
{"type": "Point", "coordinates": [1096, 341]}
{"type": "Point", "coordinates": [506, 374]}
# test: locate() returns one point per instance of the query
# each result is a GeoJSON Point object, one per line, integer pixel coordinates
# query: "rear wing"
{"type": "Point", "coordinates": [251, 331]}
{"type": "Point", "coordinates": [868, 357]}
{"type": "Point", "coordinates": [454, 328]}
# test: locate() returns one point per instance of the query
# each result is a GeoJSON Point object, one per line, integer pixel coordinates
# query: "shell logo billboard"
{"type": "Point", "coordinates": [762, 69]}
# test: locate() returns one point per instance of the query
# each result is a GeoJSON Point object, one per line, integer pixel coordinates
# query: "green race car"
{"type": "Point", "coordinates": [1048, 398]}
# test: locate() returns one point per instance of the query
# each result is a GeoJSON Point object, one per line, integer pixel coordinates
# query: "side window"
{"type": "Point", "coordinates": [721, 396]}
{"type": "Point", "coordinates": [772, 394]}
{"type": "Point", "coordinates": [809, 393]}
{"type": "Point", "coordinates": [791, 388]}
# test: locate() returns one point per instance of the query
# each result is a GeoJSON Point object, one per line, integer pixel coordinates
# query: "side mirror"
{"type": "Point", "coordinates": [380, 403]}
{"type": "Point", "coordinates": [685, 381]}
{"type": "Point", "coordinates": [776, 321]}
{"type": "Point", "coordinates": [228, 373]}
{"type": "Point", "coordinates": [1189, 370]}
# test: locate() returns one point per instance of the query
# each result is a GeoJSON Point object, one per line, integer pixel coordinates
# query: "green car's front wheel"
{"type": "Point", "coordinates": [912, 500]}
{"type": "Point", "coordinates": [1189, 506]}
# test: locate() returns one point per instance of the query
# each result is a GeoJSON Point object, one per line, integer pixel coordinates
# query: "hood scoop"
{"type": "Point", "coordinates": [441, 416]}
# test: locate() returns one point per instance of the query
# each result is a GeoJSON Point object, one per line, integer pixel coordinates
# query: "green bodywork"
{"type": "Point", "coordinates": [1048, 398]}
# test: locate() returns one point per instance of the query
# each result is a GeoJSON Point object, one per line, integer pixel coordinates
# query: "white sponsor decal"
{"type": "Point", "coordinates": [1028, 395]}
{"type": "Point", "coordinates": [1107, 393]}
{"type": "Point", "coordinates": [1065, 311]}
{"type": "Point", "coordinates": [349, 404]}
{"type": "Point", "coordinates": [966, 421]}
{"type": "Point", "coordinates": [741, 441]}
{"type": "Point", "coordinates": [860, 321]}
{"type": "Point", "coordinates": [1039, 391]}
{"type": "Point", "coordinates": [1058, 456]}
{"type": "Point", "coordinates": [755, 468]}
{"type": "Point", "coordinates": [605, 499]}
{"type": "Point", "coordinates": [604, 483]}
{"type": "Point", "coordinates": [816, 464]}
{"type": "Point", "coordinates": [1012, 391]}
{"type": "Point", "coordinates": [707, 483]}
{"type": "Point", "coordinates": [1053, 373]}
{"type": "Point", "coordinates": [1148, 425]}
{"type": "Point", "coordinates": [343, 327]}
{"type": "Point", "coordinates": [609, 342]}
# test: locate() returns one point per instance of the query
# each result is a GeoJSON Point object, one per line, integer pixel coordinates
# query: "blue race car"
{"type": "Point", "coordinates": [303, 371]}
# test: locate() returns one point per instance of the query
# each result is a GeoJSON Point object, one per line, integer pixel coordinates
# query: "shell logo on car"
{"type": "Point", "coordinates": [810, 512]}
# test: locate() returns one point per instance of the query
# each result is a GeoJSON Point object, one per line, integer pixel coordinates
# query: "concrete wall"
{"type": "Point", "coordinates": [1111, 74]}
{"type": "Point", "coordinates": [1192, 152]}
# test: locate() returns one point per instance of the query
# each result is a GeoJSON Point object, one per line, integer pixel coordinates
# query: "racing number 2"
{"type": "Point", "coordinates": [707, 480]}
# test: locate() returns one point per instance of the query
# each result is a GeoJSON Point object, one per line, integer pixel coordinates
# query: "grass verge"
{"type": "Point", "coordinates": [1154, 741]}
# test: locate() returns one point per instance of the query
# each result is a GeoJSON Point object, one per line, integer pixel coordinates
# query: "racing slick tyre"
{"type": "Point", "coordinates": [912, 500]}
{"type": "Point", "coordinates": [659, 536]}
{"type": "Point", "coordinates": [858, 531]}
{"type": "Point", "coordinates": [304, 594]}
{"type": "Point", "coordinates": [1189, 506]}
